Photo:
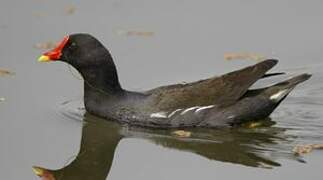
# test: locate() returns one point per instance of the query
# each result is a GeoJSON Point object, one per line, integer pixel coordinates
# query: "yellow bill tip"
{"type": "Point", "coordinates": [43, 58]}
{"type": "Point", "coordinates": [38, 171]}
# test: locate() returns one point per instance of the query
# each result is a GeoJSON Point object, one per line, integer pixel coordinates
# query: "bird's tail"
{"type": "Point", "coordinates": [258, 104]}
{"type": "Point", "coordinates": [279, 91]}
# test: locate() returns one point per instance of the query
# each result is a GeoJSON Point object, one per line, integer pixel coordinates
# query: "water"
{"type": "Point", "coordinates": [42, 121]}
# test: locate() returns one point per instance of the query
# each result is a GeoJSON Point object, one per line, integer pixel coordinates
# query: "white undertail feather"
{"type": "Point", "coordinates": [279, 95]}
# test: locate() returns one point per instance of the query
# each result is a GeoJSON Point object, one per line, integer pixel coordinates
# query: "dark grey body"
{"type": "Point", "coordinates": [133, 108]}
{"type": "Point", "coordinates": [215, 102]}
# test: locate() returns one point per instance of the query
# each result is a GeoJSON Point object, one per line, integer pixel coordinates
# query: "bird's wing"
{"type": "Point", "coordinates": [222, 90]}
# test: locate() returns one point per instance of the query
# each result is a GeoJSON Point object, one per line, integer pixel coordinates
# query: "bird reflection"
{"type": "Point", "coordinates": [100, 139]}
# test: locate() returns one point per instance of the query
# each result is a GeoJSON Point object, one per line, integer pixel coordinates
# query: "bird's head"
{"type": "Point", "coordinates": [79, 50]}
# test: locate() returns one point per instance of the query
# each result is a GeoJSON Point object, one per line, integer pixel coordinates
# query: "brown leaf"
{"type": "Point", "coordinates": [307, 148]}
{"type": "Point", "coordinates": [317, 146]}
{"type": "Point", "coordinates": [69, 10]}
{"type": "Point", "coordinates": [135, 33]}
{"type": "Point", "coordinates": [45, 45]}
{"type": "Point", "coordinates": [244, 56]}
{"type": "Point", "coordinates": [182, 133]}
{"type": "Point", "coordinates": [39, 14]}
{"type": "Point", "coordinates": [4, 72]}
{"type": "Point", "coordinates": [253, 124]}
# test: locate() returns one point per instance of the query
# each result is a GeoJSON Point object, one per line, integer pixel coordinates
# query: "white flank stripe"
{"type": "Point", "coordinates": [189, 109]}
{"type": "Point", "coordinates": [171, 114]}
{"type": "Point", "coordinates": [163, 114]}
{"type": "Point", "coordinates": [158, 115]}
{"type": "Point", "coordinates": [204, 107]}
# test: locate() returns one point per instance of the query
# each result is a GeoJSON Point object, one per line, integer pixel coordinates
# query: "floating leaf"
{"type": "Point", "coordinates": [4, 72]}
{"type": "Point", "coordinates": [69, 10]}
{"type": "Point", "coordinates": [39, 14]}
{"type": "Point", "coordinates": [254, 124]}
{"type": "Point", "coordinates": [304, 149]}
{"type": "Point", "coordinates": [182, 133]}
{"type": "Point", "coordinates": [135, 33]}
{"type": "Point", "coordinates": [317, 146]}
{"type": "Point", "coordinates": [45, 45]}
{"type": "Point", "coordinates": [244, 56]}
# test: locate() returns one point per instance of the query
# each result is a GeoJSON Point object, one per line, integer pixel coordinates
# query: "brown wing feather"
{"type": "Point", "coordinates": [222, 90]}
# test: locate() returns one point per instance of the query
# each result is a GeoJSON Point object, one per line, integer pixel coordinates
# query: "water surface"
{"type": "Point", "coordinates": [42, 121]}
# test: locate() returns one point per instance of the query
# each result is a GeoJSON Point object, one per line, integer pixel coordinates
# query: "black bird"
{"type": "Point", "coordinates": [223, 101]}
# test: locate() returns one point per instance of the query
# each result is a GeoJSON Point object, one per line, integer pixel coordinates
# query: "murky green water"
{"type": "Point", "coordinates": [41, 117]}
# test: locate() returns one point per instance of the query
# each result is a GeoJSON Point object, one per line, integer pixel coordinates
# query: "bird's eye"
{"type": "Point", "coordinates": [73, 46]}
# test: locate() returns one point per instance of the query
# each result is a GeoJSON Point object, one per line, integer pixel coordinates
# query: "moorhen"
{"type": "Point", "coordinates": [223, 101]}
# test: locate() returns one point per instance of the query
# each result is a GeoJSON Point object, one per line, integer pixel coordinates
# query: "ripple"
{"type": "Point", "coordinates": [71, 110]}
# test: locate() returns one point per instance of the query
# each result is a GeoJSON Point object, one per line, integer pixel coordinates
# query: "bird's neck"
{"type": "Point", "coordinates": [101, 85]}
{"type": "Point", "coordinates": [96, 99]}
{"type": "Point", "coordinates": [103, 79]}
